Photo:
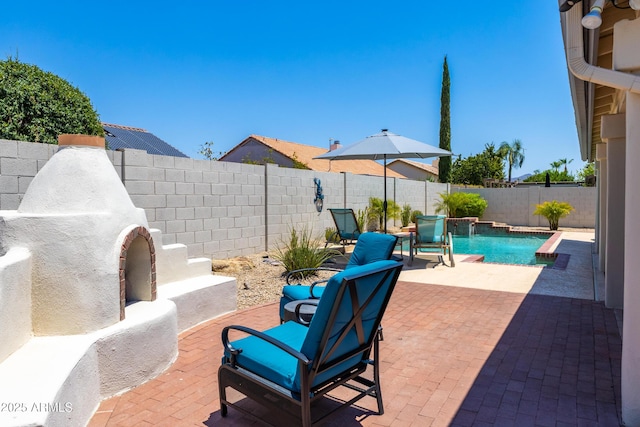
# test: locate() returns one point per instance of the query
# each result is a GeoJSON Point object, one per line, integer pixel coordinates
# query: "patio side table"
{"type": "Point", "coordinates": [300, 311]}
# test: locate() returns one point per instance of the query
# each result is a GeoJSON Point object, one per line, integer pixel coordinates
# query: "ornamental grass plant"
{"type": "Point", "coordinates": [302, 251]}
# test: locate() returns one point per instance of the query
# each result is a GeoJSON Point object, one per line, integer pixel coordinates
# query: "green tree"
{"type": "Point", "coordinates": [206, 151]}
{"type": "Point", "coordinates": [513, 154]}
{"type": "Point", "coordinates": [554, 176]}
{"type": "Point", "coordinates": [473, 169]}
{"type": "Point", "coordinates": [444, 164]}
{"type": "Point", "coordinates": [565, 162]}
{"type": "Point", "coordinates": [37, 106]}
{"type": "Point", "coordinates": [556, 165]}
{"type": "Point", "coordinates": [587, 170]}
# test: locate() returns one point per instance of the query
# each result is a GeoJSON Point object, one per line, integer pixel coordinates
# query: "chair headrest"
{"type": "Point", "coordinates": [372, 247]}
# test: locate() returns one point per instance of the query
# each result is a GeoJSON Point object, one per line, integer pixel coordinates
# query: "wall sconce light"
{"type": "Point", "coordinates": [634, 4]}
{"type": "Point", "coordinates": [593, 19]}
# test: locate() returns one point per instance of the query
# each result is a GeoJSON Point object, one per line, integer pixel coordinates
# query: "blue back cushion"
{"type": "Point", "coordinates": [430, 228]}
{"type": "Point", "coordinates": [364, 286]}
{"type": "Point", "coordinates": [372, 247]}
{"type": "Point", "coordinates": [278, 366]}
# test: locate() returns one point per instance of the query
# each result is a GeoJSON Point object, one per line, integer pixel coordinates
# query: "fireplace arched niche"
{"type": "Point", "coordinates": [137, 267]}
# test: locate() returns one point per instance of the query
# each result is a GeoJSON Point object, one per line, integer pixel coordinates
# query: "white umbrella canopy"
{"type": "Point", "coordinates": [385, 145]}
{"type": "Point", "coordinates": [382, 146]}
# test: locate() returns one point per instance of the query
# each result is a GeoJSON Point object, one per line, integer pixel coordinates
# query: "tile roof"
{"type": "Point", "coordinates": [306, 153]}
{"type": "Point", "coordinates": [118, 136]}
{"type": "Point", "coordinates": [423, 166]}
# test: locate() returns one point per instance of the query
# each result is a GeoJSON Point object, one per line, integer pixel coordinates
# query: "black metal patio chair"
{"type": "Point", "coordinates": [291, 366]}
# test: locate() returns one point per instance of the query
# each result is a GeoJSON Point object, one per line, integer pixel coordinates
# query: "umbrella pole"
{"type": "Point", "coordinates": [384, 204]}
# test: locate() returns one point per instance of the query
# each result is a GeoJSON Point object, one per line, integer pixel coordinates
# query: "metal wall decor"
{"type": "Point", "coordinates": [319, 200]}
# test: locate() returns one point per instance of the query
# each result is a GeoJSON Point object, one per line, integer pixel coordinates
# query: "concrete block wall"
{"type": "Point", "coordinates": [21, 161]}
{"type": "Point", "coordinates": [222, 209]}
{"type": "Point", "coordinates": [216, 209]}
{"type": "Point", "coordinates": [515, 206]}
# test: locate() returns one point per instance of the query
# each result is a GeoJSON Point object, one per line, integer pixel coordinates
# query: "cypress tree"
{"type": "Point", "coordinates": [444, 166]}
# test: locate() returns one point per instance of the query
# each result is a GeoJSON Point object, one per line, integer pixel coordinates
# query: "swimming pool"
{"type": "Point", "coordinates": [503, 249]}
{"type": "Point", "coordinates": [508, 249]}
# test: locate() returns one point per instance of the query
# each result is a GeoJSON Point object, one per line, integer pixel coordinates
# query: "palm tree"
{"type": "Point", "coordinates": [513, 153]}
{"type": "Point", "coordinates": [565, 162]}
{"type": "Point", "coordinates": [556, 165]}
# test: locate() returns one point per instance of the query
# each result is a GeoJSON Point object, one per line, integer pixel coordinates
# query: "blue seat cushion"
{"type": "Point", "coordinates": [371, 247]}
{"type": "Point", "coordinates": [296, 292]}
{"type": "Point", "coordinates": [270, 362]}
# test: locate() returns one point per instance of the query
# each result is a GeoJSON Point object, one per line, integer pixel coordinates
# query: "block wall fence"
{"type": "Point", "coordinates": [222, 209]}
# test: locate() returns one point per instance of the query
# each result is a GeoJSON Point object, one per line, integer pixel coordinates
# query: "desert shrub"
{"type": "Point", "coordinates": [361, 218]}
{"type": "Point", "coordinates": [405, 216]}
{"type": "Point", "coordinates": [376, 211]}
{"type": "Point", "coordinates": [302, 251]}
{"type": "Point", "coordinates": [553, 211]}
{"type": "Point", "coordinates": [459, 205]}
{"type": "Point", "coordinates": [331, 235]}
{"type": "Point", "coordinates": [414, 214]}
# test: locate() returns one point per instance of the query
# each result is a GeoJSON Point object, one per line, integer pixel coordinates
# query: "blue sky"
{"type": "Point", "coordinates": [195, 71]}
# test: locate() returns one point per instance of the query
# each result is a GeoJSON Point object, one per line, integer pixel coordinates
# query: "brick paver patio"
{"type": "Point", "coordinates": [451, 356]}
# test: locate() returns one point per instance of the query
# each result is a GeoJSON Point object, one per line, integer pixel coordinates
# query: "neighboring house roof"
{"type": "Point", "coordinates": [415, 169]}
{"type": "Point", "coordinates": [118, 136]}
{"type": "Point", "coordinates": [251, 148]}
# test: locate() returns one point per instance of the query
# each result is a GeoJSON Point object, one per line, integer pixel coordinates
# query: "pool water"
{"type": "Point", "coordinates": [519, 249]}
{"type": "Point", "coordinates": [505, 249]}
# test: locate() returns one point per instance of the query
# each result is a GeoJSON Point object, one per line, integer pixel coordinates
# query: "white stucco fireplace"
{"type": "Point", "coordinates": [91, 302]}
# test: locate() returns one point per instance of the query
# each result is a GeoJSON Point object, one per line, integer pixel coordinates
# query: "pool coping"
{"type": "Point", "coordinates": [545, 251]}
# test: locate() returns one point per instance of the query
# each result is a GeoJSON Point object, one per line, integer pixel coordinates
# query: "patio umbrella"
{"type": "Point", "coordinates": [382, 146]}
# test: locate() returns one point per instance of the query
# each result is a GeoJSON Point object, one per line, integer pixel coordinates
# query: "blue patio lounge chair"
{"type": "Point", "coordinates": [347, 228]}
{"type": "Point", "coordinates": [431, 236]}
{"type": "Point", "coordinates": [289, 367]}
{"type": "Point", "coordinates": [369, 248]}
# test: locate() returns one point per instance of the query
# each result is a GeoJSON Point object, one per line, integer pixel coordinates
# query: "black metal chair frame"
{"type": "Point", "coordinates": [340, 233]}
{"type": "Point", "coordinates": [445, 245]}
{"type": "Point", "coordinates": [295, 408]}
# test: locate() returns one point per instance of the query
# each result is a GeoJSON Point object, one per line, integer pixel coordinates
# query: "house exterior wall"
{"type": "Point", "coordinates": [257, 152]}
{"type": "Point", "coordinates": [411, 172]}
{"type": "Point", "coordinates": [224, 209]}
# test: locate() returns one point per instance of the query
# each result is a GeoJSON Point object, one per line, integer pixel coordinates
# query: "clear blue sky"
{"type": "Point", "coordinates": [196, 71]}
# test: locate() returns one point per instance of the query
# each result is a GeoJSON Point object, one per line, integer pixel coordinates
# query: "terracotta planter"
{"type": "Point", "coordinates": [82, 140]}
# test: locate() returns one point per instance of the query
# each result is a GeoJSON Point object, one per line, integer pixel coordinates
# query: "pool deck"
{"type": "Point", "coordinates": [474, 345]}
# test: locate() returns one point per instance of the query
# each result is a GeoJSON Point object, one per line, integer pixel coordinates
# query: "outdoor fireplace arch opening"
{"type": "Point", "coordinates": [137, 268]}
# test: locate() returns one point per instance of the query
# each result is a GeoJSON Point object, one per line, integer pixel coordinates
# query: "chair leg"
{"type": "Point", "coordinates": [223, 398]}
{"type": "Point", "coordinates": [376, 375]}
{"type": "Point", "coordinates": [305, 414]}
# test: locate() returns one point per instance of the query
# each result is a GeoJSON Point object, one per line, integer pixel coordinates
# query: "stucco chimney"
{"type": "Point", "coordinates": [335, 145]}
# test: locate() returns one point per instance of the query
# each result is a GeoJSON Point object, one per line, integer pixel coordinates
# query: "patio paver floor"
{"type": "Point", "coordinates": [450, 356]}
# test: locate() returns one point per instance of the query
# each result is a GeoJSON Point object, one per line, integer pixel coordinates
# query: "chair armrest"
{"type": "Point", "coordinates": [303, 270]}
{"type": "Point", "coordinates": [313, 285]}
{"type": "Point", "coordinates": [282, 346]}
